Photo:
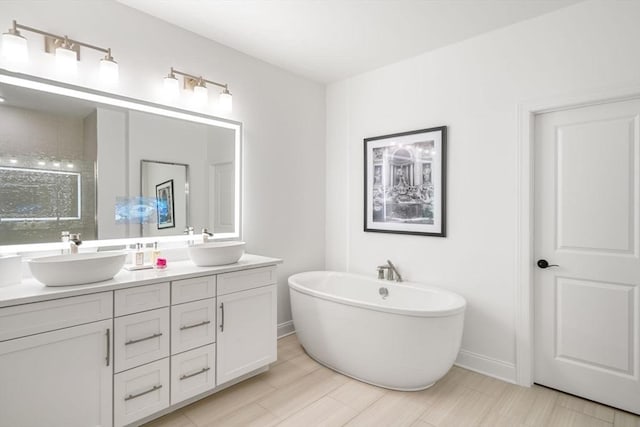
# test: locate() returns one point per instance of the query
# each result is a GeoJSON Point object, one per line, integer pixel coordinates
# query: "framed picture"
{"type": "Point", "coordinates": [164, 205]}
{"type": "Point", "coordinates": [405, 182]}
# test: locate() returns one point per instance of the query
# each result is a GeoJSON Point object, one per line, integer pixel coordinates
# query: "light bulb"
{"type": "Point", "coordinates": [109, 71]}
{"type": "Point", "coordinates": [171, 86]}
{"type": "Point", "coordinates": [14, 47]}
{"type": "Point", "coordinates": [226, 101]}
{"type": "Point", "coordinates": [200, 95]}
{"type": "Point", "coordinates": [66, 61]}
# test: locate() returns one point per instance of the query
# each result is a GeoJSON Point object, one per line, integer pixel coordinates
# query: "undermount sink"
{"type": "Point", "coordinates": [76, 269]}
{"type": "Point", "coordinates": [216, 253]}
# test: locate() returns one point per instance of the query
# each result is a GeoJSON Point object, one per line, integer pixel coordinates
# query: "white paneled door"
{"type": "Point", "coordinates": [587, 183]}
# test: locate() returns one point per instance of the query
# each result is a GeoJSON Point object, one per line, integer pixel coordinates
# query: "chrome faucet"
{"type": "Point", "coordinates": [189, 231]}
{"type": "Point", "coordinates": [74, 242]}
{"type": "Point", "coordinates": [206, 235]}
{"type": "Point", "coordinates": [392, 272]}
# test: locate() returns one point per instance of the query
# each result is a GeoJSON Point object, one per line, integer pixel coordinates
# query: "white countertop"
{"type": "Point", "coordinates": [30, 290]}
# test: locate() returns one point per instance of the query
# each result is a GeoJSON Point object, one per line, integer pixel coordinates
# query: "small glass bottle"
{"type": "Point", "coordinates": [139, 255]}
{"type": "Point", "coordinates": [155, 253]}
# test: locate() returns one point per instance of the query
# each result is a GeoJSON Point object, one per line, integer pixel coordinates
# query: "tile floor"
{"type": "Point", "coordinates": [298, 392]}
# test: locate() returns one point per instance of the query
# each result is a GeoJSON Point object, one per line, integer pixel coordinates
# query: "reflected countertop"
{"type": "Point", "coordinates": [30, 290]}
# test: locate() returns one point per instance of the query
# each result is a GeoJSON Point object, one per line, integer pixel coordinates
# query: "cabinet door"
{"type": "Point", "coordinates": [246, 332]}
{"type": "Point", "coordinates": [59, 378]}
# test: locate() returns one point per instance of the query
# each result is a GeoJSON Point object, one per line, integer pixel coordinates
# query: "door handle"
{"type": "Point", "coordinates": [543, 263]}
{"type": "Point", "coordinates": [222, 323]}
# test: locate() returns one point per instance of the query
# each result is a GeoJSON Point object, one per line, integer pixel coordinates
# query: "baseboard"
{"type": "Point", "coordinates": [285, 328]}
{"type": "Point", "coordinates": [499, 369]}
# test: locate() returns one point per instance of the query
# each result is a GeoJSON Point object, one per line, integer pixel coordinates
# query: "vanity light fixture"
{"type": "Point", "coordinates": [198, 85]}
{"type": "Point", "coordinates": [67, 51]}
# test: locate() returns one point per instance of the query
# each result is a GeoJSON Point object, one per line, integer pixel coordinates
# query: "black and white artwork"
{"type": "Point", "coordinates": [164, 205]}
{"type": "Point", "coordinates": [405, 182]}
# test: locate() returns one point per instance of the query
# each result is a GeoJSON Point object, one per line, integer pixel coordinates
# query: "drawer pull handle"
{"type": "Point", "coordinates": [206, 322]}
{"type": "Point", "coordinates": [151, 390]}
{"type": "Point", "coordinates": [150, 337]}
{"type": "Point", "coordinates": [201, 371]}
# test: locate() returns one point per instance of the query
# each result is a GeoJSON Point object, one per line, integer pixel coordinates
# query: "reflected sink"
{"type": "Point", "coordinates": [76, 269]}
{"type": "Point", "coordinates": [216, 253]}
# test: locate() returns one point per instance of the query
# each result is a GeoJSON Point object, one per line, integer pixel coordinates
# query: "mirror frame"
{"type": "Point", "coordinates": [119, 101]}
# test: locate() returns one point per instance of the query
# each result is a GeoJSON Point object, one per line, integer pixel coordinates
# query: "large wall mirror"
{"type": "Point", "coordinates": [111, 167]}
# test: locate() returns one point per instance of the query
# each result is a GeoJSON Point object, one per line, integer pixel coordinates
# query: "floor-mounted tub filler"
{"type": "Point", "coordinates": [402, 336]}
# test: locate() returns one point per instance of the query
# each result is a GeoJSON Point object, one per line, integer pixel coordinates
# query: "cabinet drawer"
{"type": "Point", "coordinates": [140, 392]}
{"type": "Point", "coordinates": [141, 338]}
{"type": "Point", "coordinates": [192, 325]}
{"type": "Point", "coordinates": [28, 319]}
{"type": "Point", "coordinates": [141, 298]}
{"type": "Point", "coordinates": [246, 279]}
{"type": "Point", "coordinates": [193, 289]}
{"type": "Point", "coordinates": [192, 373]}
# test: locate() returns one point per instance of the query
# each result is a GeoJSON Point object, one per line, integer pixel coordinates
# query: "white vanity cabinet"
{"type": "Point", "coordinates": [123, 355]}
{"type": "Point", "coordinates": [247, 322]}
{"type": "Point", "coordinates": [58, 376]}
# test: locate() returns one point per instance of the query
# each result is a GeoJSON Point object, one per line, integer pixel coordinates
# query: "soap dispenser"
{"type": "Point", "coordinates": [139, 255]}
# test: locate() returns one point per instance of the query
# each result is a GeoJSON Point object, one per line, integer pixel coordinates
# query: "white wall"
{"type": "Point", "coordinates": [474, 88]}
{"type": "Point", "coordinates": [283, 115]}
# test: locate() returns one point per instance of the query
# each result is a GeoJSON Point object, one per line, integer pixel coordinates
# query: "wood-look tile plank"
{"type": "Point", "coordinates": [469, 410]}
{"type": "Point", "coordinates": [625, 419]}
{"type": "Point", "coordinates": [284, 401]}
{"type": "Point", "coordinates": [251, 415]}
{"type": "Point", "coordinates": [393, 409]}
{"type": "Point", "coordinates": [484, 384]}
{"type": "Point", "coordinates": [357, 395]}
{"type": "Point", "coordinates": [564, 417]}
{"type": "Point", "coordinates": [222, 403]}
{"type": "Point", "coordinates": [531, 406]}
{"type": "Point", "coordinates": [325, 412]}
{"type": "Point", "coordinates": [496, 419]}
{"type": "Point", "coordinates": [289, 371]}
{"type": "Point", "coordinates": [442, 398]}
{"type": "Point", "coordinates": [586, 407]}
{"type": "Point", "coordinates": [174, 419]}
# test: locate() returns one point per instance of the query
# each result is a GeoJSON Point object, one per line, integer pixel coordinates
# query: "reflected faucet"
{"type": "Point", "coordinates": [74, 242]}
{"type": "Point", "coordinates": [189, 231]}
{"type": "Point", "coordinates": [392, 272]}
{"type": "Point", "coordinates": [206, 235]}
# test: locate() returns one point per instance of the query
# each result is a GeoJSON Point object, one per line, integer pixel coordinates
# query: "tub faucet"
{"type": "Point", "coordinates": [392, 272]}
{"type": "Point", "coordinates": [74, 242]}
{"type": "Point", "coordinates": [206, 235]}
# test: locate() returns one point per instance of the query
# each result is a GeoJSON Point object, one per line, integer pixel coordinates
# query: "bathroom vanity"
{"type": "Point", "coordinates": [124, 351]}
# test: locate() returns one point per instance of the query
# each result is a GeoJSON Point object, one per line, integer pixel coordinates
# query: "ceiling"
{"type": "Point", "coordinates": [328, 40]}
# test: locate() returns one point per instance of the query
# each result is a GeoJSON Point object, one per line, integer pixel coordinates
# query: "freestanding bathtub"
{"type": "Point", "coordinates": [405, 341]}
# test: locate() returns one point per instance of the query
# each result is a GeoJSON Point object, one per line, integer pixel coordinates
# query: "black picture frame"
{"type": "Point", "coordinates": [405, 177]}
{"type": "Point", "coordinates": [165, 208]}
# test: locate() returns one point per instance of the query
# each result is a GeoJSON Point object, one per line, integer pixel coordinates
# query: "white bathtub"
{"type": "Point", "coordinates": [407, 341]}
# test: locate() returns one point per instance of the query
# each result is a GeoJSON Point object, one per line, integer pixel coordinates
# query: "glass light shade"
{"type": "Point", "coordinates": [200, 95]}
{"type": "Point", "coordinates": [66, 61]}
{"type": "Point", "coordinates": [226, 101]}
{"type": "Point", "coordinates": [108, 71]}
{"type": "Point", "coordinates": [171, 87]}
{"type": "Point", "coordinates": [14, 48]}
